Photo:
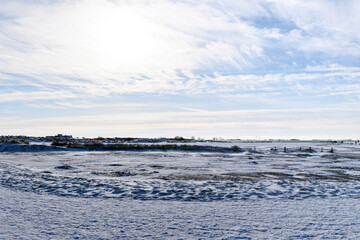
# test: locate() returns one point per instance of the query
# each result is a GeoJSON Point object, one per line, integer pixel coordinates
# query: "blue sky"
{"type": "Point", "coordinates": [247, 69]}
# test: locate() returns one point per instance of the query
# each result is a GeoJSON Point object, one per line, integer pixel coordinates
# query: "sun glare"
{"type": "Point", "coordinates": [121, 38]}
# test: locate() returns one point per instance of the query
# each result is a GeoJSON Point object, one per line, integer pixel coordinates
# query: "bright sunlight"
{"type": "Point", "coordinates": [121, 37]}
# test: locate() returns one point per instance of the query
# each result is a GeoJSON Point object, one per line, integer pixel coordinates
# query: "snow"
{"type": "Point", "coordinates": [26, 215]}
{"type": "Point", "coordinates": [20, 147]}
{"type": "Point", "coordinates": [260, 193]}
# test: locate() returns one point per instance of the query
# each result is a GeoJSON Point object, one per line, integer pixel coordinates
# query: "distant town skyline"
{"type": "Point", "coordinates": [231, 69]}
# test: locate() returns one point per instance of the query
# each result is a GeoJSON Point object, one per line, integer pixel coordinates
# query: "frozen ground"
{"type": "Point", "coordinates": [265, 192]}
{"type": "Point", "coordinates": [26, 215]}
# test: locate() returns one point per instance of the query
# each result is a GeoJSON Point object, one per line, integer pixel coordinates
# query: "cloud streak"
{"type": "Point", "coordinates": [104, 42]}
{"type": "Point", "coordinates": [99, 55]}
{"type": "Point", "coordinates": [101, 40]}
{"type": "Point", "coordinates": [330, 123]}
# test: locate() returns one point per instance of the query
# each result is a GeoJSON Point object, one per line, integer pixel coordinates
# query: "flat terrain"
{"type": "Point", "coordinates": [25, 215]}
{"type": "Point", "coordinates": [288, 189]}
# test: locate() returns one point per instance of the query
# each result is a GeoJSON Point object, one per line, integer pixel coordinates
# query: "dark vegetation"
{"type": "Point", "coordinates": [97, 146]}
{"type": "Point", "coordinates": [11, 139]}
{"type": "Point", "coordinates": [67, 142]}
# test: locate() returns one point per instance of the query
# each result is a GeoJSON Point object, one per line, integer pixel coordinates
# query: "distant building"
{"type": "Point", "coordinates": [349, 142]}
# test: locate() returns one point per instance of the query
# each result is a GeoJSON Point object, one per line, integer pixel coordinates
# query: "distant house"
{"type": "Point", "coordinates": [64, 136]}
{"type": "Point", "coordinates": [349, 142]}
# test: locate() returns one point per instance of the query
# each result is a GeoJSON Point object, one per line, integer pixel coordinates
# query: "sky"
{"type": "Point", "coordinates": [233, 69]}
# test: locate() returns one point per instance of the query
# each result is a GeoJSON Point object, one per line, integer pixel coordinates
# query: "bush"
{"type": "Point", "coordinates": [235, 148]}
{"type": "Point", "coordinates": [59, 143]}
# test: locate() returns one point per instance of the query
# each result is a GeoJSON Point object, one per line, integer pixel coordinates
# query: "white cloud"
{"type": "Point", "coordinates": [316, 82]}
{"type": "Point", "coordinates": [326, 123]}
{"type": "Point", "coordinates": [332, 67]}
{"type": "Point", "coordinates": [103, 41]}
{"type": "Point", "coordinates": [38, 95]}
{"type": "Point", "coordinates": [159, 46]}
{"type": "Point", "coordinates": [328, 26]}
{"type": "Point", "coordinates": [73, 54]}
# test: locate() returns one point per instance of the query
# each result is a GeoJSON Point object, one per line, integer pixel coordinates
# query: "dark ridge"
{"type": "Point", "coordinates": [64, 167]}
{"type": "Point", "coordinates": [144, 147]}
